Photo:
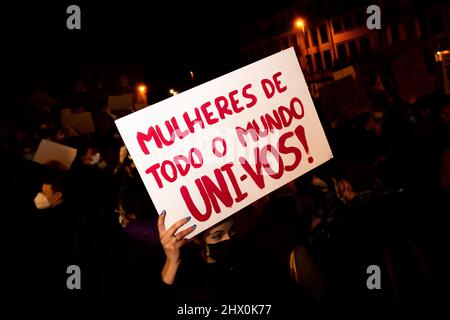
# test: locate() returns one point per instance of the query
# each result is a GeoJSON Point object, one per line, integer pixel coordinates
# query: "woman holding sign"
{"type": "Point", "coordinates": [224, 268]}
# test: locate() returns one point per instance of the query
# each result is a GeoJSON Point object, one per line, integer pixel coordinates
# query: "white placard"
{"type": "Point", "coordinates": [123, 101]}
{"type": "Point", "coordinates": [208, 169]}
{"type": "Point", "coordinates": [51, 151]}
{"type": "Point", "coordinates": [81, 122]}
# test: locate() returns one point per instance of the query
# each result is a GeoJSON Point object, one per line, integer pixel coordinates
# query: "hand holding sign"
{"type": "Point", "coordinates": [171, 241]}
{"type": "Point", "coordinates": [211, 151]}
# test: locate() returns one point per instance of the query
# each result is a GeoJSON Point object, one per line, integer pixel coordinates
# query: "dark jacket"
{"type": "Point", "coordinates": [134, 263]}
{"type": "Point", "coordinates": [247, 276]}
{"type": "Point", "coordinates": [58, 246]}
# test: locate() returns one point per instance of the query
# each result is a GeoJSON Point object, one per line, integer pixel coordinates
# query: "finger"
{"type": "Point", "coordinates": [180, 235]}
{"type": "Point", "coordinates": [173, 228]}
{"type": "Point", "coordinates": [161, 219]}
{"type": "Point", "coordinates": [179, 244]}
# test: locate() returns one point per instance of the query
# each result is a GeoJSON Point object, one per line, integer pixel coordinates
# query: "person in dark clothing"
{"type": "Point", "coordinates": [134, 262]}
{"type": "Point", "coordinates": [370, 227]}
{"type": "Point", "coordinates": [93, 182]}
{"type": "Point", "coordinates": [222, 269]}
{"type": "Point", "coordinates": [59, 241]}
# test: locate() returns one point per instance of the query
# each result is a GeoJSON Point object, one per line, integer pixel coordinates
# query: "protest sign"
{"type": "Point", "coordinates": [77, 123]}
{"type": "Point", "coordinates": [412, 77]}
{"type": "Point", "coordinates": [49, 151]}
{"type": "Point", "coordinates": [212, 150]}
{"type": "Point", "coordinates": [123, 101]}
{"type": "Point", "coordinates": [81, 122]}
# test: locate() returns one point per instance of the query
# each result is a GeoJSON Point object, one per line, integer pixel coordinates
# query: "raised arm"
{"type": "Point", "coordinates": [172, 240]}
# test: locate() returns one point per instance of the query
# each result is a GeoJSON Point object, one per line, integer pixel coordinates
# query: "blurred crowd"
{"type": "Point", "coordinates": [380, 201]}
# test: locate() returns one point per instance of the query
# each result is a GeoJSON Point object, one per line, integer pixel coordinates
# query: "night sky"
{"type": "Point", "coordinates": [168, 37]}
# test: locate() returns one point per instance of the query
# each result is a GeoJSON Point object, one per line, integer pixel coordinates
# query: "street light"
{"type": "Point", "coordinates": [142, 95]}
{"type": "Point", "coordinates": [142, 89]}
{"type": "Point", "coordinates": [300, 24]}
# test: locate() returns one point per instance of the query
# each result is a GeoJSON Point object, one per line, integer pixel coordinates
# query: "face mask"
{"type": "Point", "coordinates": [122, 221]}
{"type": "Point", "coordinates": [95, 159]}
{"type": "Point", "coordinates": [220, 251]}
{"type": "Point", "coordinates": [41, 201]}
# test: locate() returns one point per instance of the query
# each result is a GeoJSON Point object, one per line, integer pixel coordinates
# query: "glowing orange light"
{"type": "Point", "coordinates": [142, 89]}
{"type": "Point", "coordinates": [300, 24]}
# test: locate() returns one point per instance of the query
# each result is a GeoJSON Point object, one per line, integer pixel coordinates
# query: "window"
{"type": "Point", "coordinates": [366, 48]}
{"type": "Point", "coordinates": [327, 59]}
{"type": "Point", "coordinates": [348, 22]}
{"type": "Point", "coordinates": [318, 59]}
{"type": "Point", "coordinates": [353, 50]}
{"type": "Point", "coordinates": [305, 35]}
{"type": "Point", "coordinates": [337, 26]}
{"type": "Point", "coordinates": [342, 53]}
{"type": "Point", "coordinates": [323, 33]}
{"type": "Point", "coordinates": [360, 18]}
{"type": "Point", "coordinates": [309, 63]}
{"type": "Point", "coordinates": [437, 23]}
{"type": "Point", "coordinates": [314, 37]}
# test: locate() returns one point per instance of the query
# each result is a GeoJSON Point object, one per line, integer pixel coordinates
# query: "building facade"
{"type": "Point", "coordinates": [334, 35]}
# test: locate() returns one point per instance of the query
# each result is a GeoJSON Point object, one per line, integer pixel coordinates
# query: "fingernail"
{"type": "Point", "coordinates": [194, 226]}
{"type": "Point", "coordinates": [188, 218]}
{"type": "Point", "coordinates": [163, 212]}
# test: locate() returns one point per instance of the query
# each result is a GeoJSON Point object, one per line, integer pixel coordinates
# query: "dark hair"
{"type": "Point", "coordinates": [57, 182]}
{"type": "Point", "coordinates": [230, 218]}
{"type": "Point", "coordinates": [135, 200]}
